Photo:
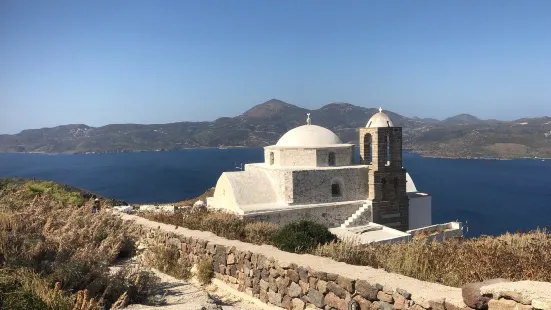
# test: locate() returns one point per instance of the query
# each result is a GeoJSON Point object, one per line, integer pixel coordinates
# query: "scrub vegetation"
{"type": "Point", "coordinates": [454, 262]}
{"type": "Point", "coordinates": [55, 254]}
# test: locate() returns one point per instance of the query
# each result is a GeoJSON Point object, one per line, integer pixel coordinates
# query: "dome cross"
{"type": "Point", "coordinates": [380, 109]}
{"type": "Point", "coordinates": [308, 120]}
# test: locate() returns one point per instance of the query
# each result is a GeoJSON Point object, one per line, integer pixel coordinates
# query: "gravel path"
{"type": "Point", "coordinates": [189, 295]}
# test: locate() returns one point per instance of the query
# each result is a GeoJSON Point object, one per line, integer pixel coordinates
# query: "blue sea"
{"type": "Point", "coordinates": [492, 196]}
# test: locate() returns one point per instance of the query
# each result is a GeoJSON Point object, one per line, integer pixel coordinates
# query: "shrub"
{"type": "Point", "coordinates": [166, 259]}
{"type": "Point", "coordinates": [205, 270]}
{"type": "Point", "coordinates": [223, 224]}
{"type": "Point", "coordinates": [260, 232]}
{"type": "Point", "coordinates": [302, 236]}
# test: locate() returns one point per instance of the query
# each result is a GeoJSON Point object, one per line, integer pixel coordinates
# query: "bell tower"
{"type": "Point", "coordinates": [381, 149]}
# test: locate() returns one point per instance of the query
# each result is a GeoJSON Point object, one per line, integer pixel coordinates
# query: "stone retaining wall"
{"type": "Point", "coordinates": [294, 281]}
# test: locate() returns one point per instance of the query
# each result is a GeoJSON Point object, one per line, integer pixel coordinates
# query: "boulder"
{"type": "Point", "coordinates": [472, 295]}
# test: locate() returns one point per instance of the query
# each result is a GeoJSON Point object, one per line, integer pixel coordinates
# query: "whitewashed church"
{"type": "Point", "coordinates": [310, 174]}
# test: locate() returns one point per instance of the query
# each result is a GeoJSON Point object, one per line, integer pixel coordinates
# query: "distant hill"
{"type": "Point", "coordinates": [462, 136]}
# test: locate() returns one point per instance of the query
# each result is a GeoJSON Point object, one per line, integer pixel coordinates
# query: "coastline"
{"type": "Point", "coordinates": [424, 155]}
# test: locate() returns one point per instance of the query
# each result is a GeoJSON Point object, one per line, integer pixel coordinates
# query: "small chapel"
{"type": "Point", "coordinates": [311, 174]}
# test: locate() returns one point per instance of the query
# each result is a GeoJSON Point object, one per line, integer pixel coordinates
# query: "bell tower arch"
{"type": "Point", "coordinates": [381, 149]}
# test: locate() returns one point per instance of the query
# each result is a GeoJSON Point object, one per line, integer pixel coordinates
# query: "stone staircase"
{"type": "Point", "coordinates": [362, 216]}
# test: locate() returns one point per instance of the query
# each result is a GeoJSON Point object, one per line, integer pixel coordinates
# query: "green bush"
{"type": "Point", "coordinates": [205, 270]}
{"type": "Point", "coordinates": [302, 236]}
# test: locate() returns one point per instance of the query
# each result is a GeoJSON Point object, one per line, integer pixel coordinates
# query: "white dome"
{"type": "Point", "coordinates": [379, 120]}
{"type": "Point", "coordinates": [308, 135]}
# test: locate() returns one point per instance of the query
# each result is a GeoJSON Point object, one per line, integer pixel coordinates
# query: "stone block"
{"type": "Point", "coordinates": [303, 274]}
{"type": "Point", "coordinates": [304, 285]}
{"type": "Point", "coordinates": [265, 275]}
{"type": "Point", "coordinates": [316, 298]}
{"type": "Point", "coordinates": [472, 295]}
{"type": "Point", "coordinates": [382, 296]}
{"type": "Point", "coordinates": [346, 283]}
{"type": "Point", "coordinates": [502, 304]}
{"type": "Point", "coordinates": [264, 296]}
{"type": "Point", "coordinates": [337, 290]}
{"type": "Point", "coordinates": [320, 275]}
{"type": "Point", "coordinates": [294, 290]}
{"type": "Point", "coordinates": [232, 270]}
{"type": "Point", "coordinates": [381, 305]}
{"type": "Point", "coordinates": [399, 301]}
{"type": "Point", "coordinates": [322, 286]}
{"type": "Point", "coordinates": [297, 304]}
{"type": "Point", "coordinates": [366, 290]}
{"type": "Point", "coordinates": [286, 303]}
{"type": "Point", "coordinates": [312, 281]}
{"type": "Point", "coordinates": [282, 284]}
{"type": "Point", "coordinates": [421, 301]}
{"type": "Point", "coordinates": [293, 275]}
{"type": "Point", "coordinates": [364, 303]}
{"type": "Point", "coordinates": [332, 277]}
{"type": "Point", "coordinates": [403, 293]}
{"type": "Point", "coordinates": [272, 285]}
{"type": "Point", "coordinates": [231, 259]}
{"type": "Point", "coordinates": [264, 286]}
{"type": "Point", "coordinates": [275, 299]}
{"type": "Point", "coordinates": [334, 301]}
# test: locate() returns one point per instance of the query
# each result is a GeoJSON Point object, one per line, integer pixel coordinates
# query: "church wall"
{"type": "Point", "coordinates": [282, 184]}
{"type": "Point", "coordinates": [330, 216]}
{"type": "Point", "coordinates": [223, 197]}
{"type": "Point", "coordinates": [420, 211]}
{"type": "Point", "coordinates": [297, 157]}
{"type": "Point", "coordinates": [343, 156]}
{"type": "Point", "coordinates": [314, 186]}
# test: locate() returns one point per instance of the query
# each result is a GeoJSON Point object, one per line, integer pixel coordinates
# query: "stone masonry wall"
{"type": "Point", "coordinates": [293, 281]}
{"type": "Point", "coordinates": [329, 215]}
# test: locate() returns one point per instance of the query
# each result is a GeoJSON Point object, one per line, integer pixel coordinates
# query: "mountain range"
{"type": "Point", "coordinates": [461, 136]}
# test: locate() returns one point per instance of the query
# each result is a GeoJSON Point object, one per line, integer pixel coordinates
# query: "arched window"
{"type": "Point", "coordinates": [271, 158]}
{"type": "Point", "coordinates": [384, 190]}
{"type": "Point", "coordinates": [368, 149]}
{"type": "Point", "coordinates": [336, 190]}
{"type": "Point", "coordinates": [331, 159]}
{"type": "Point", "coordinates": [387, 141]}
{"type": "Point", "coordinates": [396, 187]}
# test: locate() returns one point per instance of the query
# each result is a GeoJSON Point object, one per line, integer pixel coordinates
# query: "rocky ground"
{"type": "Point", "coordinates": [175, 294]}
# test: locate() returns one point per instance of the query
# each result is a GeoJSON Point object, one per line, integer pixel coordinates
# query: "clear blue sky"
{"type": "Point", "coordinates": [100, 62]}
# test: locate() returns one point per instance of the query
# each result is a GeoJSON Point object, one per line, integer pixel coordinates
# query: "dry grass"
{"type": "Point", "coordinates": [520, 256]}
{"type": "Point", "coordinates": [52, 246]}
{"type": "Point", "coordinates": [167, 259]}
{"type": "Point", "coordinates": [220, 223]}
{"type": "Point", "coordinates": [259, 232]}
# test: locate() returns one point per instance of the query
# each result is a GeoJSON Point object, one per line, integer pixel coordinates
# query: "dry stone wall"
{"type": "Point", "coordinates": [293, 281]}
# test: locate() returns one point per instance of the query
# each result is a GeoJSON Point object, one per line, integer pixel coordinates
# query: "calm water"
{"type": "Point", "coordinates": [493, 196]}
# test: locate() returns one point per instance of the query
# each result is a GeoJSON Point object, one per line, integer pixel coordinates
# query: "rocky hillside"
{"type": "Point", "coordinates": [460, 136]}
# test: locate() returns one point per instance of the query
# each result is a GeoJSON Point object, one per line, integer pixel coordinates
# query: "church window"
{"type": "Point", "coordinates": [331, 159]}
{"type": "Point", "coordinates": [271, 158]}
{"type": "Point", "coordinates": [384, 190]}
{"type": "Point", "coordinates": [368, 149]}
{"type": "Point", "coordinates": [336, 190]}
{"type": "Point", "coordinates": [396, 187]}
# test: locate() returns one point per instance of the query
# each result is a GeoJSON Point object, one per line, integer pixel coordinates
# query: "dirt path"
{"type": "Point", "coordinates": [188, 295]}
